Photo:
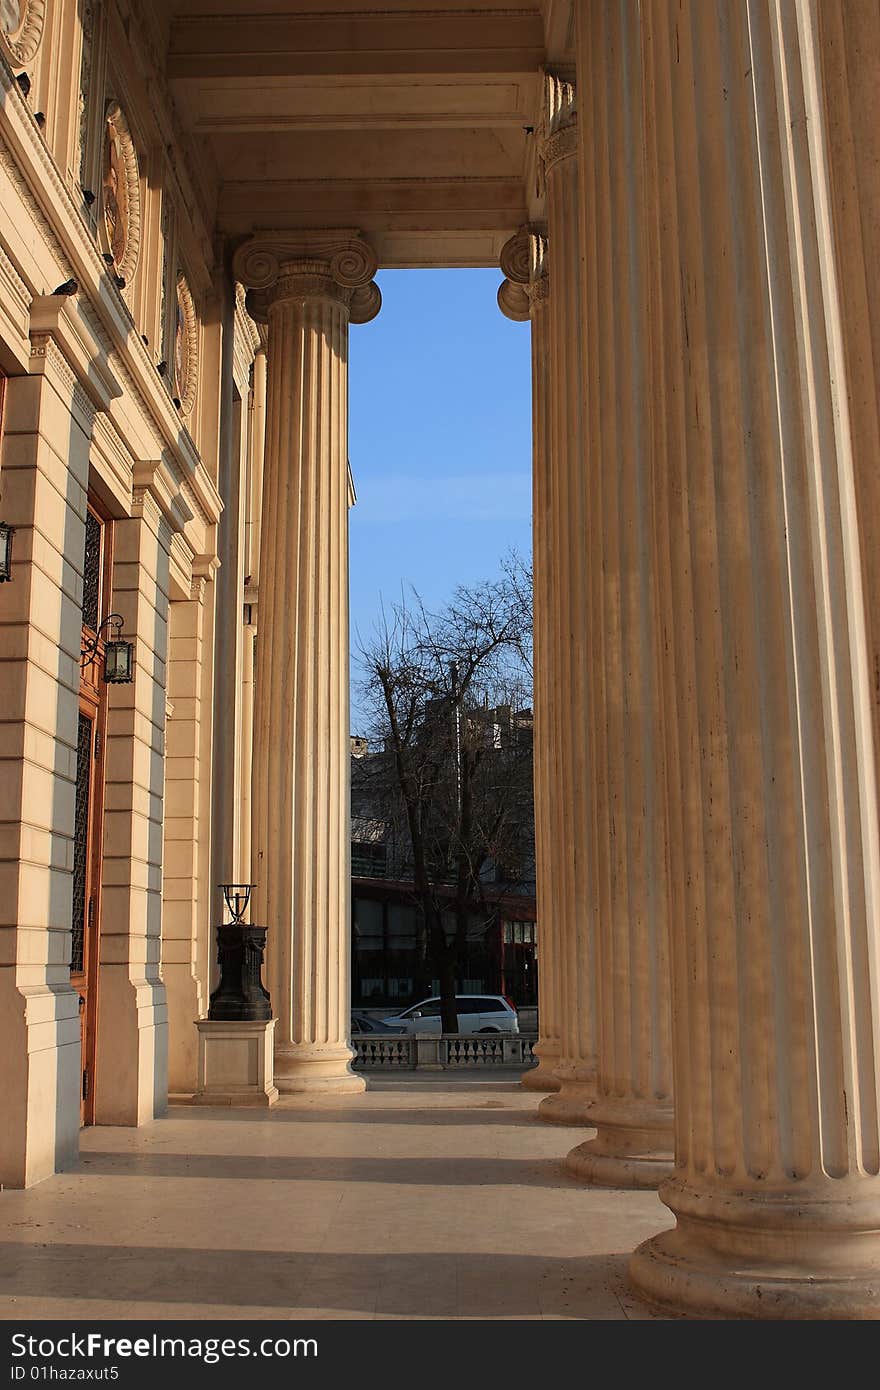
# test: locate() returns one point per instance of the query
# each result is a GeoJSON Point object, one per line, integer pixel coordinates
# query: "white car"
{"type": "Point", "coordinates": [477, 1013]}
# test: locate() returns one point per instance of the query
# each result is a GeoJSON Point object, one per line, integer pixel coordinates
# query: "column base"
{"type": "Point", "coordinates": [308, 1068]}
{"type": "Point", "coordinates": [542, 1077]}
{"type": "Point", "coordinates": [633, 1147]}
{"type": "Point", "coordinates": [573, 1101]}
{"type": "Point", "coordinates": [768, 1256]}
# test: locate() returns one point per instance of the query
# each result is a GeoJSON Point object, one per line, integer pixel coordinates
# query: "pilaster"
{"type": "Point", "coordinates": [44, 485]}
{"type": "Point", "coordinates": [133, 1017]}
{"type": "Point", "coordinates": [186, 871]}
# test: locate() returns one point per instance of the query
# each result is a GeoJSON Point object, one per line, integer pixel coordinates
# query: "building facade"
{"type": "Point", "coordinates": [683, 196]}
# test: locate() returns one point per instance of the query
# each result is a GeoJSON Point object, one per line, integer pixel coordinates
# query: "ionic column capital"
{"type": "Point", "coordinates": [558, 132]}
{"type": "Point", "coordinates": [524, 261]}
{"type": "Point", "coordinates": [336, 264]}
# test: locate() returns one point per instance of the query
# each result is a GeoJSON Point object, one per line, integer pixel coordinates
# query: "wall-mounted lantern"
{"type": "Point", "coordinates": [118, 652]}
{"type": "Point", "coordinates": [6, 534]}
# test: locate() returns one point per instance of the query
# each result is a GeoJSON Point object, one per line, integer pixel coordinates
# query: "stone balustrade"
{"type": "Point", "coordinates": [428, 1052]}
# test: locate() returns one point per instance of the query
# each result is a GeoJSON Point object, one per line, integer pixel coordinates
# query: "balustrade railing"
{"type": "Point", "coordinates": [450, 1050]}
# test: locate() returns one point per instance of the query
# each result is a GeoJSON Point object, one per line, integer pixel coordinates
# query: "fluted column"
{"type": "Point", "coordinates": [768, 673]}
{"type": "Point", "coordinates": [566, 657]}
{"type": "Point", "coordinates": [523, 295]}
{"type": "Point", "coordinates": [632, 1112]}
{"type": "Point", "coordinates": [309, 287]}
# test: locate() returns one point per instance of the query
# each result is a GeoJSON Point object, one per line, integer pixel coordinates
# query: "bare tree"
{"type": "Point", "coordinates": [449, 696]}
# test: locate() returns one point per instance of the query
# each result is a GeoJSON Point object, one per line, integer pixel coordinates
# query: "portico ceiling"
{"type": "Point", "coordinates": [411, 122]}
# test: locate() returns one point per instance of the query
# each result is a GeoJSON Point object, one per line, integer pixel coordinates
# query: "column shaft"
{"type": "Point", "coordinates": [767, 675]}
{"type": "Point", "coordinates": [132, 1062]}
{"type": "Point", "coordinates": [45, 476]}
{"type": "Point", "coordinates": [633, 1109]}
{"type": "Point", "coordinates": [301, 820]}
{"type": "Point", "coordinates": [566, 650]}
{"type": "Point", "coordinates": [185, 892]}
{"type": "Point", "coordinates": [547, 849]}
{"type": "Point", "coordinates": [525, 295]}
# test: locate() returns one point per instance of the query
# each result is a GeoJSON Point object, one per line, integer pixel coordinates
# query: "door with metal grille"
{"type": "Point", "coordinates": [89, 804]}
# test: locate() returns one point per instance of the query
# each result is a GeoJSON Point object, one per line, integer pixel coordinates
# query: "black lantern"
{"type": "Point", "coordinates": [118, 662]}
{"type": "Point", "coordinates": [236, 897]}
{"type": "Point", "coordinates": [240, 995]}
{"type": "Point", "coordinates": [118, 653]}
{"type": "Point", "coordinates": [6, 534]}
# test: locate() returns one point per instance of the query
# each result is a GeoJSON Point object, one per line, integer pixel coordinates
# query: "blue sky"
{"type": "Point", "coordinates": [439, 440]}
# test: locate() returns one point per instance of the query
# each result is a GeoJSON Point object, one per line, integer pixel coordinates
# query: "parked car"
{"type": "Point", "coordinates": [365, 1023]}
{"type": "Point", "coordinates": [477, 1013]}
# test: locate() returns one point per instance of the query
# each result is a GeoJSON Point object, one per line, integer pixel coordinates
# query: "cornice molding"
{"type": "Point", "coordinates": [153, 476]}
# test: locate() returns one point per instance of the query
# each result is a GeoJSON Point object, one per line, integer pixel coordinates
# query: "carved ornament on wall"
{"type": "Point", "coordinates": [121, 219]}
{"type": "Point", "coordinates": [21, 29]}
{"type": "Point", "coordinates": [186, 347]}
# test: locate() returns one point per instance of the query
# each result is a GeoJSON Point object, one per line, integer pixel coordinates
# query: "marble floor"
{"type": "Point", "coordinates": [440, 1198]}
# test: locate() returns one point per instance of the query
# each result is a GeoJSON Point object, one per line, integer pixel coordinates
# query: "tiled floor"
{"type": "Point", "coordinates": [421, 1199]}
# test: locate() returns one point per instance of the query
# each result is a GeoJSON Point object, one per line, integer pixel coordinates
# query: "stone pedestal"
{"type": "Point", "coordinates": [235, 1063]}
{"type": "Point", "coordinates": [309, 287]}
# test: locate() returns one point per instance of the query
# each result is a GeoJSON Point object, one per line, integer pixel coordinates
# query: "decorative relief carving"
{"type": "Point", "coordinates": [186, 347]}
{"type": "Point", "coordinates": [539, 292]}
{"type": "Point", "coordinates": [354, 265]}
{"type": "Point", "coordinates": [121, 193]}
{"type": "Point", "coordinates": [326, 264]}
{"type": "Point", "coordinates": [249, 329]}
{"type": "Point", "coordinates": [21, 29]}
{"type": "Point", "coordinates": [44, 348]}
{"type": "Point", "coordinates": [13, 279]}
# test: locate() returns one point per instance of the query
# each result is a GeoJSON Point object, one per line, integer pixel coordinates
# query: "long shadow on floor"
{"type": "Point", "coordinates": [487, 1114]}
{"type": "Point", "coordinates": [408, 1283]}
{"type": "Point", "coordinates": [440, 1172]}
